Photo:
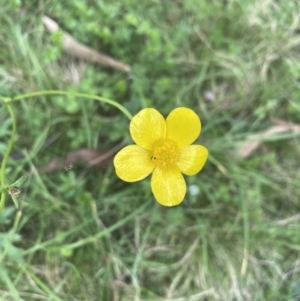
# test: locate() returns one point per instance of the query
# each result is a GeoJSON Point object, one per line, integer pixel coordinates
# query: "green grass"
{"type": "Point", "coordinates": [86, 235]}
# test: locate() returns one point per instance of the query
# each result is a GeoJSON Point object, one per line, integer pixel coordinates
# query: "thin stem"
{"type": "Point", "coordinates": [6, 155]}
{"type": "Point", "coordinates": [246, 236]}
{"type": "Point", "coordinates": [57, 92]}
{"type": "Point", "coordinates": [42, 93]}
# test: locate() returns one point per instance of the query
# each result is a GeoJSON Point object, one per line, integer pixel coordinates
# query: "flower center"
{"type": "Point", "coordinates": [165, 153]}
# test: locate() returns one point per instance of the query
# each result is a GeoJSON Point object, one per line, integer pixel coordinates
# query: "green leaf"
{"type": "Point", "coordinates": [6, 215]}
{"type": "Point", "coordinates": [16, 202]}
{"type": "Point", "coordinates": [19, 182]}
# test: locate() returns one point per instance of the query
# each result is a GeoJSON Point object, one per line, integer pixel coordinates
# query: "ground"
{"type": "Point", "coordinates": [80, 232]}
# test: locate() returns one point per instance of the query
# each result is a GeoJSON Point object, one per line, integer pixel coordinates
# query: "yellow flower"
{"type": "Point", "coordinates": [163, 149]}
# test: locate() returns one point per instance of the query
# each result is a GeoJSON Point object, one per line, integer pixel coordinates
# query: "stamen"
{"type": "Point", "coordinates": [165, 153]}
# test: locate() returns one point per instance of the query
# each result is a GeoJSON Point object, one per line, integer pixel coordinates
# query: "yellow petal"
{"type": "Point", "coordinates": [146, 127]}
{"type": "Point", "coordinates": [192, 159]}
{"type": "Point", "coordinates": [183, 126]}
{"type": "Point", "coordinates": [168, 186]}
{"type": "Point", "coordinates": [133, 163]}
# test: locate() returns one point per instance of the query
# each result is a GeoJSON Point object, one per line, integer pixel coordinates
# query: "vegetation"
{"type": "Point", "coordinates": [82, 233]}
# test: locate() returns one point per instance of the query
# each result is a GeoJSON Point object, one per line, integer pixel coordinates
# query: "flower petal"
{"type": "Point", "coordinates": [192, 159]}
{"type": "Point", "coordinates": [183, 126]}
{"type": "Point", "coordinates": [168, 186]}
{"type": "Point", "coordinates": [146, 127]}
{"type": "Point", "coordinates": [133, 163]}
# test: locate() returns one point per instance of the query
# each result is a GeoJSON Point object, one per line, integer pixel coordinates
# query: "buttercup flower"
{"type": "Point", "coordinates": [163, 148]}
